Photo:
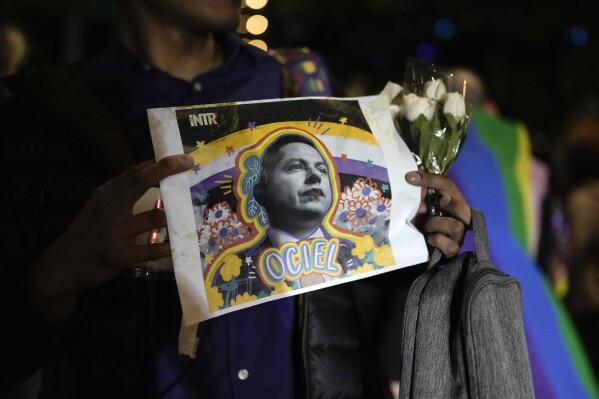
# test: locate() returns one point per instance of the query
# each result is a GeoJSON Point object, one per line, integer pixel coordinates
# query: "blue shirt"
{"type": "Point", "coordinates": [244, 354]}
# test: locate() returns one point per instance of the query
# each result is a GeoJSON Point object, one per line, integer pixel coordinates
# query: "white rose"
{"type": "Point", "coordinates": [455, 105]}
{"type": "Point", "coordinates": [435, 89]}
{"type": "Point", "coordinates": [413, 106]}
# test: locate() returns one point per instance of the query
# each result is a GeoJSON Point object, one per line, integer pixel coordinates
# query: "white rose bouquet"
{"type": "Point", "coordinates": [432, 115]}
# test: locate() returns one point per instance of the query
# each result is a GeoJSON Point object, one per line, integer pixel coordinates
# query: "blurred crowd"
{"type": "Point", "coordinates": [569, 246]}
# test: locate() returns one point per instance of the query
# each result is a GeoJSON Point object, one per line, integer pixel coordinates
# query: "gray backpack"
{"type": "Point", "coordinates": [463, 331]}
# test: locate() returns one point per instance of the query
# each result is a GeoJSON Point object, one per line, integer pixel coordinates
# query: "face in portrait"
{"type": "Point", "coordinates": [295, 186]}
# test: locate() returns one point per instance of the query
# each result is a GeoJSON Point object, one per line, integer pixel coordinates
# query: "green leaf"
{"type": "Point", "coordinates": [455, 138]}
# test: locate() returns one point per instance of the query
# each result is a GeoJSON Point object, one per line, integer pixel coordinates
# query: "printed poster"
{"type": "Point", "coordinates": [286, 196]}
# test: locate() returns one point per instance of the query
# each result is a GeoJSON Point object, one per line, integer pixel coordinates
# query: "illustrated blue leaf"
{"type": "Point", "coordinates": [252, 207]}
{"type": "Point", "coordinates": [250, 181]}
{"type": "Point", "coordinates": [253, 164]}
{"type": "Point", "coordinates": [263, 217]}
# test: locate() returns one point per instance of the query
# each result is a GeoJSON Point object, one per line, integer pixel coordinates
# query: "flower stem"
{"type": "Point", "coordinates": [432, 202]}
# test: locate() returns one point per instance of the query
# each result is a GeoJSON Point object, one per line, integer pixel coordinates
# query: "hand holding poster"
{"type": "Point", "coordinates": [286, 196]}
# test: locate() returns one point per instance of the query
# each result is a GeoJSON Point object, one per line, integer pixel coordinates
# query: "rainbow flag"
{"type": "Point", "coordinates": [494, 172]}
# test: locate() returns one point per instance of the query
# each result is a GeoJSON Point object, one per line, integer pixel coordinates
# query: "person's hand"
{"type": "Point", "coordinates": [101, 240]}
{"type": "Point", "coordinates": [443, 232]}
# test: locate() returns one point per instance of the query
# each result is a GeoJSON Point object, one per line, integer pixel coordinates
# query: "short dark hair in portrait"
{"type": "Point", "coordinates": [298, 193]}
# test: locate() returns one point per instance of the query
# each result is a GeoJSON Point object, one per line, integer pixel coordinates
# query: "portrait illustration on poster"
{"type": "Point", "coordinates": [288, 191]}
{"type": "Point", "coordinates": [289, 196]}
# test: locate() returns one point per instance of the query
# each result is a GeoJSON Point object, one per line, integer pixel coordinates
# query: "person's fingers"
{"type": "Point", "coordinates": [141, 253]}
{"type": "Point", "coordinates": [117, 246]}
{"type": "Point", "coordinates": [140, 223]}
{"type": "Point", "coordinates": [450, 227]}
{"type": "Point", "coordinates": [457, 207]}
{"type": "Point", "coordinates": [151, 175]}
{"type": "Point", "coordinates": [446, 245]}
{"type": "Point", "coordinates": [116, 255]}
{"type": "Point", "coordinates": [441, 183]}
{"type": "Point", "coordinates": [132, 184]}
{"type": "Point", "coordinates": [452, 199]}
{"type": "Point", "coordinates": [446, 232]}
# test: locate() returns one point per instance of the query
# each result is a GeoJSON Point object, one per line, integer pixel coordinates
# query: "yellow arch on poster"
{"type": "Point", "coordinates": [206, 153]}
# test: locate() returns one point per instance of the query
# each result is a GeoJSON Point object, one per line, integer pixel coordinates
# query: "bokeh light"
{"type": "Point", "coordinates": [256, 4]}
{"type": "Point", "coordinates": [444, 28]}
{"type": "Point", "coordinates": [426, 51]}
{"type": "Point", "coordinates": [578, 35]}
{"type": "Point", "coordinates": [256, 24]}
{"type": "Point", "coordinates": [261, 44]}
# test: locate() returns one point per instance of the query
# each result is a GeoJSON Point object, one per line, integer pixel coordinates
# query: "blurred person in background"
{"type": "Point", "coordinates": [571, 237]}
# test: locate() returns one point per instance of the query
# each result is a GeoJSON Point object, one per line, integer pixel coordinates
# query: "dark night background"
{"type": "Point", "coordinates": [537, 58]}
